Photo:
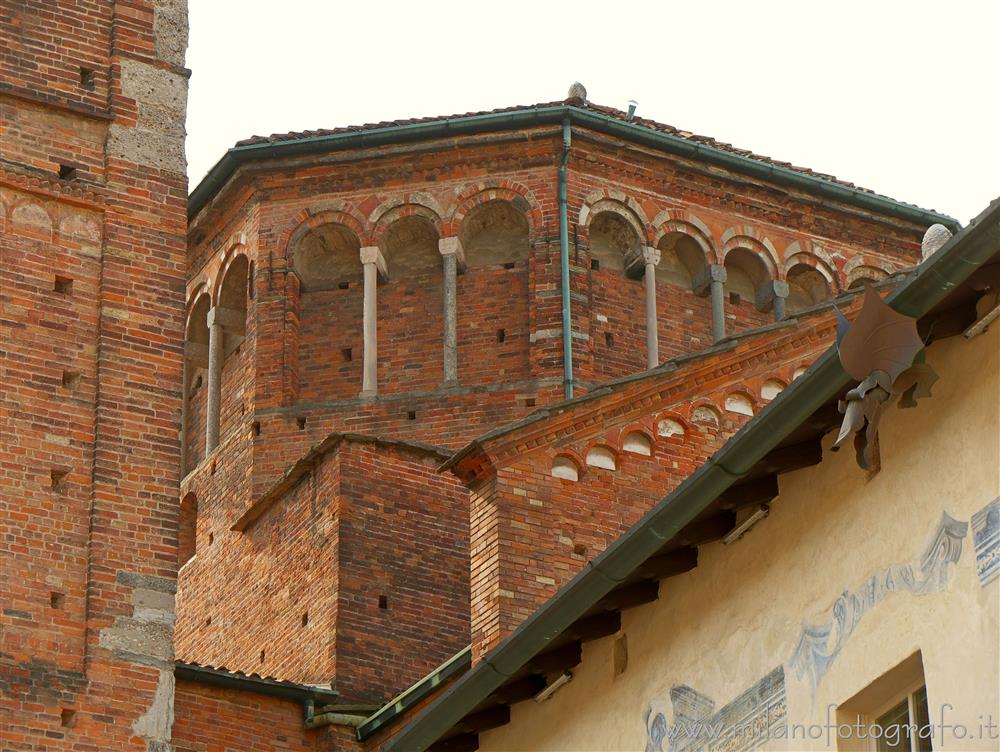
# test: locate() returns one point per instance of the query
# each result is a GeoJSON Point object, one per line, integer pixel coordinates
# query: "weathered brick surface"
{"type": "Point", "coordinates": [357, 575]}
{"type": "Point", "coordinates": [212, 718]}
{"type": "Point", "coordinates": [91, 318]}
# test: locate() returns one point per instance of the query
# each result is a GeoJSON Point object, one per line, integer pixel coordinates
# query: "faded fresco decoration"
{"type": "Point", "coordinates": [819, 645]}
{"type": "Point", "coordinates": [986, 535]}
{"type": "Point", "coordinates": [746, 723]}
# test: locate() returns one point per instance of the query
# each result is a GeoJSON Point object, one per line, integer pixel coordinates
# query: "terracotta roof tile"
{"type": "Point", "coordinates": [600, 109]}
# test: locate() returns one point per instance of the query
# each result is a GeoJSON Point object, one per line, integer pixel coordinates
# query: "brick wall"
{"type": "Point", "coordinates": [497, 193]}
{"type": "Point", "coordinates": [357, 574]}
{"type": "Point", "coordinates": [91, 314]}
{"type": "Point", "coordinates": [531, 532]}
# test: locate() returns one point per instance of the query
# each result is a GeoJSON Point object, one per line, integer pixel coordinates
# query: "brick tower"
{"type": "Point", "coordinates": [92, 266]}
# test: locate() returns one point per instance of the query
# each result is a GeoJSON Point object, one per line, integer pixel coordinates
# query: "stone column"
{"type": "Point", "coordinates": [214, 397]}
{"type": "Point", "coordinates": [452, 257]}
{"type": "Point", "coordinates": [650, 258]}
{"type": "Point", "coordinates": [772, 294]}
{"type": "Point", "coordinates": [710, 281]}
{"type": "Point", "coordinates": [374, 264]}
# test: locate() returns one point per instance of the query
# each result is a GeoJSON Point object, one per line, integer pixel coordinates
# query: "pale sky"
{"type": "Point", "coordinates": [900, 96]}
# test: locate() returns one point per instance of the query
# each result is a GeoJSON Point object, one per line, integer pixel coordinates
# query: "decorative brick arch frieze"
{"type": "Point", "coordinates": [415, 199]}
{"type": "Point", "coordinates": [684, 222]}
{"type": "Point", "coordinates": [485, 191]}
{"type": "Point", "coordinates": [862, 267]}
{"type": "Point", "coordinates": [30, 218]}
{"type": "Point", "coordinates": [745, 236]}
{"type": "Point", "coordinates": [333, 213]}
{"type": "Point", "coordinates": [617, 202]}
{"type": "Point", "coordinates": [401, 211]}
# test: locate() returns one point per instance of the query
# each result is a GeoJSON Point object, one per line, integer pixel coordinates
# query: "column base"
{"type": "Point", "coordinates": [368, 394]}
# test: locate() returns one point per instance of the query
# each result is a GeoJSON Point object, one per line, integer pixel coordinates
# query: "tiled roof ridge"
{"type": "Point", "coordinates": [611, 112]}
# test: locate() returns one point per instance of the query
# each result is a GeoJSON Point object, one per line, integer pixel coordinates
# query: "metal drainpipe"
{"type": "Point", "coordinates": [567, 321]}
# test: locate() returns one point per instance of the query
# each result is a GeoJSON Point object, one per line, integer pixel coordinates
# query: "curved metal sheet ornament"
{"type": "Point", "coordinates": [883, 351]}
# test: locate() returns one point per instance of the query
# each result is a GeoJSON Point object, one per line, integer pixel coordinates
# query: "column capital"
{"type": "Point", "coordinates": [767, 292]}
{"type": "Point", "coordinates": [703, 280]}
{"type": "Point", "coordinates": [372, 254]}
{"type": "Point", "coordinates": [637, 261]}
{"type": "Point", "coordinates": [231, 320]}
{"type": "Point", "coordinates": [452, 246]}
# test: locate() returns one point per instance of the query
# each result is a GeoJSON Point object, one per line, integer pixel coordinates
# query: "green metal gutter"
{"type": "Point", "coordinates": [555, 115]}
{"type": "Point", "coordinates": [567, 318]}
{"type": "Point", "coordinates": [824, 380]}
{"type": "Point", "coordinates": [272, 687]}
{"type": "Point", "coordinates": [396, 707]}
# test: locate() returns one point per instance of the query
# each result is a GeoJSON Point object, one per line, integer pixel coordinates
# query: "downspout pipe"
{"type": "Point", "coordinates": [567, 319]}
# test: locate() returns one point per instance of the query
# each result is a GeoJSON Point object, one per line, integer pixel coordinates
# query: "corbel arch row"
{"type": "Point", "coordinates": [613, 205]}
{"type": "Point", "coordinates": [808, 259]}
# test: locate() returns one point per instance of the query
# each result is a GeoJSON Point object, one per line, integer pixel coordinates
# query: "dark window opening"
{"type": "Point", "coordinates": [57, 477]}
{"type": "Point", "coordinates": [301, 423]}
{"type": "Point", "coordinates": [256, 428]}
{"type": "Point", "coordinates": [305, 619]}
{"type": "Point", "coordinates": [383, 601]}
{"type": "Point", "coordinates": [509, 265]}
{"type": "Point", "coordinates": [501, 335]}
{"type": "Point", "coordinates": [67, 717]}
{"type": "Point", "coordinates": [343, 285]}
{"type": "Point", "coordinates": [88, 78]}
{"type": "Point", "coordinates": [347, 354]}
{"type": "Point", "coordinates": [67, 172]}
{"type": "Point", "coordinates": [56, 600]}
{"type": "Point", "coordinates": [63, 285]}
{"type": "Point", "coordinates": [734, 298]}
{"type": "Point", "coordinates": [530, 402]}
{"type": "Point", "coordinates": [609, 339]}
{"type": "Point", "coordinates": [71, 379]}
{"type": "Point", "coordinates": [595, 264]}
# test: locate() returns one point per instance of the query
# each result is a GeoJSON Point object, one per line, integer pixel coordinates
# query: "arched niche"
{"type": "Point", "coordinates": [565, 467]}
{"type": "Point", "coordinates": [739, 404]}
{"type": "Point", "coordinates": [806, 287]}
{"type": "Point", "coordinates": [603, 457]}
{"type": "Point", "coordinates": [637, 442]}
{"type": "Point", "coordinates": [706, 415]}
{"type": "Point", "coordinates": [410, 247]}
{"type": "Point", "coordinates": [771, 389]}
{"type": "Point", "coordinates": [197, 322]}
{"type": "Point", "coordinates": [494, 232]}
{"type": "Point", "coordinates": [746, 273]}
{"type": "Point", "coordinates": [613, 239]}
{"type": "Point", "coordinates": [681, 260]}
{"type": "Point", "coordinates": [327, 258]}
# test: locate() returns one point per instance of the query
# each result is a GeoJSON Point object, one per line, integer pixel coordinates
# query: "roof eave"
{"type": "Point", "coordinates": [224, 169]}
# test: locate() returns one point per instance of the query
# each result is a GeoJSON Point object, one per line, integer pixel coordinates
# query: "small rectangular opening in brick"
{"type": "Point", "coordinates": [305, 619]}
{"type": "Point", "coordinates": [67, 172]}
{"type": "Point", "coordinates": [67, 717]}
{"type": "Point", "coordinates": [734, 298]}
{"type": "Point", "coordinates": [71, 379]}
{"type": "Point", "coordinates": [609, 339]}
{"type": "Point", "coordinates": [301, 423]}
{"type": "Point", "coordinates": [530, 402]}
{"type": "Point", "coordinates": [411, 415]}
{"type": "Point", "coordinates": [343, 285]}
{"type": "Point", "coordinates": [509, 265]}
{"type": "Point", "coordinates": [63, 285]}
{"type": "Point", "coordinates": [57, 478]}
{"type": "Point", "coordinates": [383, 601]}
{"type": "Point", "coordinates": [347, 354]}
{"type": "Point", "coordinates": [501, 335]}
{"type": "Point", "coordinates": [56, 600]}
{"type": "Point", "coordinates": [88, 78]}
{"type": "Point", "coordinates": [256, 428]}
{"type": "Point", "coordinates": [595, 264]}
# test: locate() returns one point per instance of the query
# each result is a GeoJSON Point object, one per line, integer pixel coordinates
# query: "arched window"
{"type": "Point", "coordinates": [681, 260]}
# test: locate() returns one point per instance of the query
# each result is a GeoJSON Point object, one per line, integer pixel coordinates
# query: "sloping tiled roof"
{"type": "Point", "coordinates": [611, 112]}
